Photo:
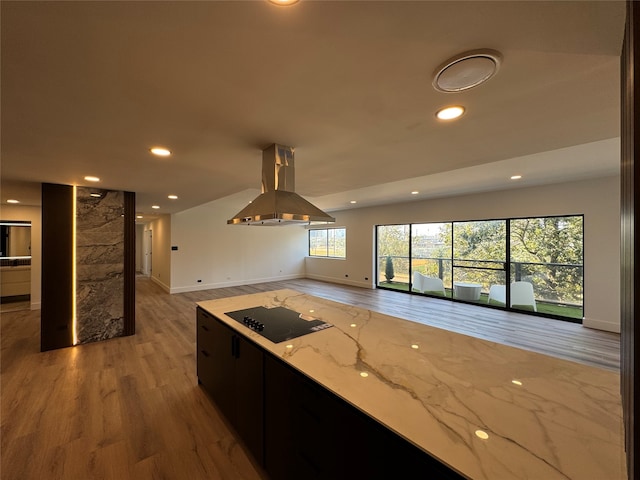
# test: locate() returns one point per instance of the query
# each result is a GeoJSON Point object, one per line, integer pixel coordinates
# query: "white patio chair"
{"type": "Point", "coordinates": [497, 293]}
{"type": "Point", "coordinates": [417, 281]}
{"type": "Point", "coordinates": [432, 285]}
{"type": "Point", "coordinates": [522, 294]}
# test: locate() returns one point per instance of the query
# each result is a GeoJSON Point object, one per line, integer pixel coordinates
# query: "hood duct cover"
{"type": "Point", "coordinates": [278, 204]}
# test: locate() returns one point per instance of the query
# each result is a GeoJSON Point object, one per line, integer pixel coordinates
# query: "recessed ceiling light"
{"type": "Point", "coordinates": [284, 3]}
{"type": "Point", "coordinates": [155, 206]}
{"type": "Point", "coordinates": [95, 195]}
{"type": "Point", "coordinates": [172, 197]}
{"type": "Point", "coordinates": [516, 177]}
{"type": "Point", "coordinates": [415, 192]}
{"type": "Point", "coordinates": [160, 151]}
{"type": "Point", "coordinates": [89, 178]}
{"type": "Point", "coordinates": [466, 70]}
{"type": "Point", "coordinates": [138, 216]}
{"type": "Point", "coordinates": [353, 201]}
{"type": "Point", "coordinates": [450, 113]}
{"type": "Point", "coordinates": [13, 200]}
{"type": "Point", "coordinates": [482, 434]}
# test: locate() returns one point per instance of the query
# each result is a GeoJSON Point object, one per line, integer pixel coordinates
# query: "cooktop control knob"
{"type": "Point", "coordinates": [253, 323]}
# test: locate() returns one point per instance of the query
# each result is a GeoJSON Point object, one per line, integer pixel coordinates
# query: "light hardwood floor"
{"type": "Point", "coordinates": [130, 408]}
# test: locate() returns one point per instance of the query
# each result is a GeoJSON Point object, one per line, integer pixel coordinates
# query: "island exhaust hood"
{"type": "Point", "coordinates": [278, 204]}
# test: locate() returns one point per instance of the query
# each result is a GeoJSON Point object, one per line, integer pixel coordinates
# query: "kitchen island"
{"type": "Point", "coordinates": [481, 409]}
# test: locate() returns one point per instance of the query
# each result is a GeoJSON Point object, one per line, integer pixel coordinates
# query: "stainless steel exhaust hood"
{"type": "Point", "coordinates": [278, 204]}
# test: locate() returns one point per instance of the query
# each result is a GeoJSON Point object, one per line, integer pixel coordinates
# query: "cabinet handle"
{"type": "Point", "coordinates": [205, 353]}
{"type": "Point", "coordinates": [204, 327]}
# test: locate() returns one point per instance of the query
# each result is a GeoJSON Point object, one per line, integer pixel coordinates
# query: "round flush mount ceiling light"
{"type": "Point", "coordinates": [160, 151]}
{"type": "Point", "coordinates": [13, 200]}
{"type": "Point", "coordinates": [450, 113]}
{"type": "Point", "coordinates": [284, 3]}
{"type": "Point", "coordinates": [90, 178]}
{"type": "Point", "coordinates": [467, 70]}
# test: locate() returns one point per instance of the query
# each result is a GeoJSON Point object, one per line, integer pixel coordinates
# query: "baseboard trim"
{"type": "Point", "coordinates": [601, 325]}
{"type": "Point", "coordinates": [36, 306]}
{"type": "Point", "coordinates": [161, 284]}
{"type": "Point", "coordinates": [346, 281]}
{"type": "Point", "coordinates": [233, 283]}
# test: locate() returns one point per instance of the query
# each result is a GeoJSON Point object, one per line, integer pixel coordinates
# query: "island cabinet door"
{"type": "Point", "coordinates": [216, 362]}
{"type": "Point", "coordinates": [248, 417]}
{"type": "Point", "coordinates": [230, 369]}
{"type": "Point", "coordinates": [311, 433]}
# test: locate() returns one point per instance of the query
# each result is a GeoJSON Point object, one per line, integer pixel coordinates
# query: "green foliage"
{"type": "Point", "coordinates": [393, 240]}
{"type": "Point", "coordinates": [388, 270]}
{"type": "Point", "coordinates": [556, 241]}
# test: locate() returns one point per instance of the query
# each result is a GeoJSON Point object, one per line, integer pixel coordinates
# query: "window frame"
{"type": "Point", "coordinates": [328, 247]}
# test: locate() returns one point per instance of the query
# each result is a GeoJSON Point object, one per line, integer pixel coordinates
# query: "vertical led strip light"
{"type": "Point", "coordinates": [73, 269]}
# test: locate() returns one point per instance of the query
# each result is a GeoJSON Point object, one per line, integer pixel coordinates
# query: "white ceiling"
{"type": "Point", "coordinates": [89, 87]}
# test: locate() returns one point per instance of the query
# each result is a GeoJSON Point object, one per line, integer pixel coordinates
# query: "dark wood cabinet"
{"type": "Point", "coordinates": [311, 433]}
{"type": "Point", "coordinates": [230, 367]}
{"type": "Point", "coordinates": [294, 427]}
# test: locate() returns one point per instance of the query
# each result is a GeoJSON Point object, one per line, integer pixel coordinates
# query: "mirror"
{"type": "Point", "coordinates": [15, 240]}
{"type": "Point", "coordinates": [15, 266]}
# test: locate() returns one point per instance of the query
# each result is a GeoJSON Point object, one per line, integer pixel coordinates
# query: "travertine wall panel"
{"type": "Point", "coordinates": [99, 265]}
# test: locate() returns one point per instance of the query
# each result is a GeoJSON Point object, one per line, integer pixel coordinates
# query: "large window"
{"type": "Point", "coordinates": [431, 255]}
{"type": "Point", "coordinates": [328, 242]}
{"type": "Point", "coordinates": [393, 256]}
{"type": "Point", "coordinates": [525, 264]}
{"type": "Point", "coordinates": [548, 253]}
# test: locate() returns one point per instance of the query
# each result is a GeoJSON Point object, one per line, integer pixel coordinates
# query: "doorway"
{"type": "Point", "coordinates": [147, 246]}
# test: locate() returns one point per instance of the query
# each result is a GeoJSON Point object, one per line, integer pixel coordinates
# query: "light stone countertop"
{"type": "Point", "coordinates": [560, 420]}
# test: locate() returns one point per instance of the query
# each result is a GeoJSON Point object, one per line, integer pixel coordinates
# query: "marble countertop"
{"type": "Point", "coordinates": [487, 410]}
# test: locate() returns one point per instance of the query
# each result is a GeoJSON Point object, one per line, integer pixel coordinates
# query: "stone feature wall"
{"type": "Point", "coordinates": [99, 265]}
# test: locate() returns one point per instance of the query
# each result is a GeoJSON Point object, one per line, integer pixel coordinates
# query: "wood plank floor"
{"type": "Point", "coordinates": [130, 408]}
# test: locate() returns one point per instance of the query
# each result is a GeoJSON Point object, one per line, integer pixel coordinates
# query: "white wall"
{"type": "Point", "coordinates": [161, 251]}
{"type": "Point", "coordinates": [597, 199]}
{"type": "Point", "coordinates": [34, 215]}
{"type": "Point", "coordinates": [223, 255]}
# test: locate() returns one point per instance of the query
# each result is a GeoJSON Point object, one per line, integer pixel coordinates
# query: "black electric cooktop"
{"type": "Point", "coordinates": [277, 324]}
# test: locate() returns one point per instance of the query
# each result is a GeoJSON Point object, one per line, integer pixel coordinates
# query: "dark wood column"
{"type": "Point", "coordinates": [129, 263]}
{"type": "Point", "coordinates": [630, 279]}
{"type": "Point", "coordinates": [56, 316]}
